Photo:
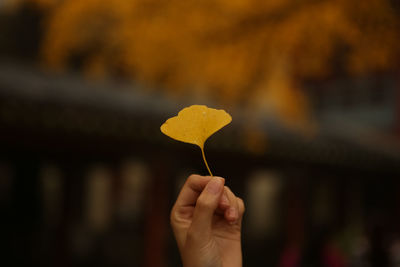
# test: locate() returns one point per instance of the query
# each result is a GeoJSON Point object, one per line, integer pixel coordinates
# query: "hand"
{"type": "Point", "coordinates": [206, 220]}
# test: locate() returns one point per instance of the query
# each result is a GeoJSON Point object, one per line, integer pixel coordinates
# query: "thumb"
{"type": "Point", "coordinates": [206, 205]}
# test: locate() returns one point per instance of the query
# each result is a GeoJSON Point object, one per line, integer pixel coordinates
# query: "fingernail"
{"type": "Point", "coordinates": [215, 186]}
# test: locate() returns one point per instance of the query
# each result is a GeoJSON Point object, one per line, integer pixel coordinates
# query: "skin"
{"type": "Point", "coordinates": [206, 220]}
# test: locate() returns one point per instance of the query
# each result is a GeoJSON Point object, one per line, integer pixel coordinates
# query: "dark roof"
{"type": "Point", "coordinates": [37, 103]}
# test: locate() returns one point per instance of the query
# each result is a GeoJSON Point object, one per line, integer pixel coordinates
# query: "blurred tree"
{"type": "Point", "coordinates": [251, 52]}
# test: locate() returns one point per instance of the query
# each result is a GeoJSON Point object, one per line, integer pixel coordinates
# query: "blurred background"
{"type": "Point", "coordinates": [313, 86]}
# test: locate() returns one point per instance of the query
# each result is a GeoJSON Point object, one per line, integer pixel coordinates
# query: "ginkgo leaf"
{"type": "Point", "coordinates": [195, 124]}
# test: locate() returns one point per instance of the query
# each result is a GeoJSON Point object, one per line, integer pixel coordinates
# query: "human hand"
{"type": "Point", "coordinates": [206, 220]}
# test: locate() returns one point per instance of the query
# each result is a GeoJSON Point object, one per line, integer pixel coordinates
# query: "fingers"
{"type": "Point", "coordinates": [182, 211]}
{"type": "Point", "coordinates": [191, 190]}
{"type": "Point", "coordinates": [193, 194]}
{"type": "Point", "coordinates": [232, 213]}
{"type": "Point", "coordinates": [241, 209]}
{"type": "Point", "coordinates": [206, 205]}
{"type": "Point", "coordinates": [223, 202]}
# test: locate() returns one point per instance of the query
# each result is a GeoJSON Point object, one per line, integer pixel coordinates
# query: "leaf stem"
{"type": "Point", "coordinates": [205, 161]}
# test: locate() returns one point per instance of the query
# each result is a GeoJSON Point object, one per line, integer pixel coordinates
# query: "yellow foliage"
{"type": "Point", "coordinates": [228, 48]}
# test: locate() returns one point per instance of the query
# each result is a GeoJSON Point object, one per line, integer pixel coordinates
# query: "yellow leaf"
{"type": "Point", "coordinates": [195, 124]}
